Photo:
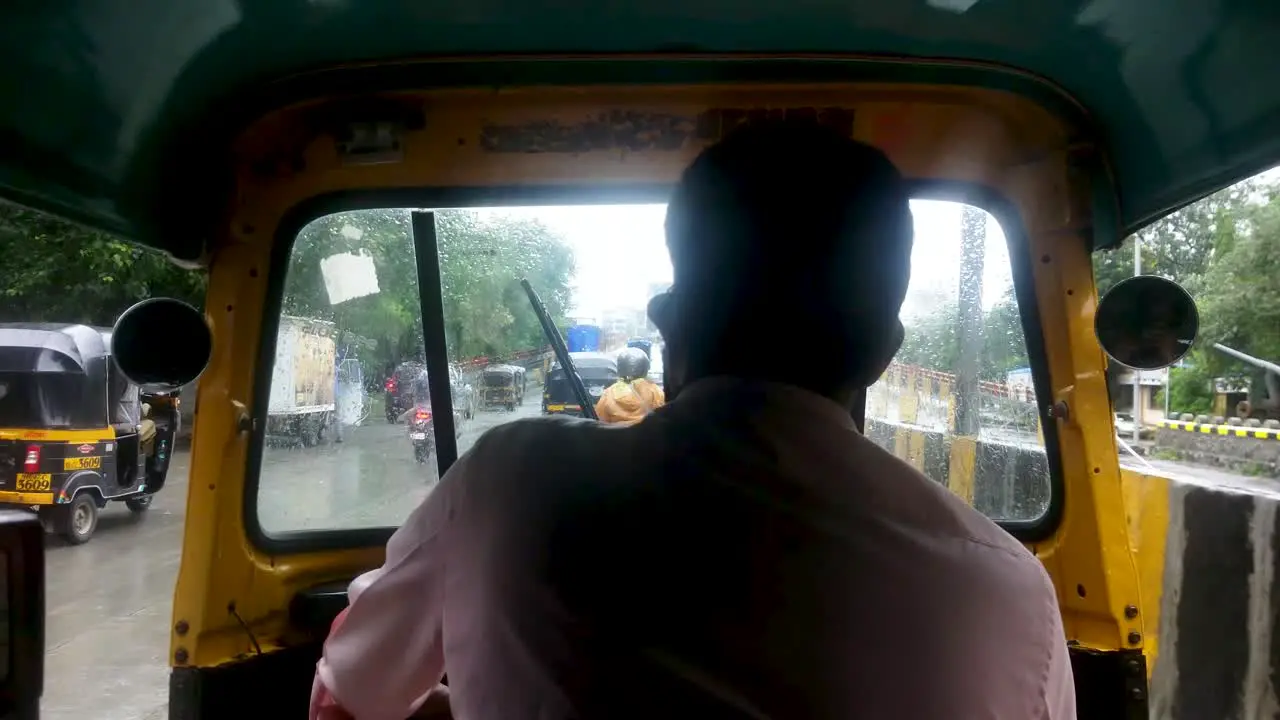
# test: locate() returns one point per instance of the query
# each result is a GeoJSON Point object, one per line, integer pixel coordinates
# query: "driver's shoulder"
{"type": "Point", "coordinates": [543, 439]}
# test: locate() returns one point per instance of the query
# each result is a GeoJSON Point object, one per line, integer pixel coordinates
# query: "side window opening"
{"type": "Point", "coordinates": [958, 401]}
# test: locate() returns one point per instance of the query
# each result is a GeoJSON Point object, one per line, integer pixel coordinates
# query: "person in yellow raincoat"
{"type": "Point", "coordinates": [634, 395]}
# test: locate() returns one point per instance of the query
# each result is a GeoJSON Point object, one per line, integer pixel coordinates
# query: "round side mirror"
{"type": "Point", "coordinates": [1146, 322]}
{"type": "Point", "coordinates": [161, 344]}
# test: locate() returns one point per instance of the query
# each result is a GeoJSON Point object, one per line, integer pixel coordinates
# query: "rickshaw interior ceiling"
{"type": "Point", "coordinates": [126, 106]}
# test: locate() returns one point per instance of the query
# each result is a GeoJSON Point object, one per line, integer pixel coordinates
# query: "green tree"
{"type": "Point", "coordinates": [56, 271]}
{"type": "Point", "coordinates": [1190, 389]}
{"type": "Point", "coordinates": [1181, 245]}
{"type": "Point", "coordinates": [1240, 297]}
{"type": "Point", "coordinates": [1004, 344]}
{"type": "Point", "coordinates": [932, 341]}
{"type": "Point", "coordinates": [482, 260]}
{"type": "Point", "coordinates": [1217, 249]}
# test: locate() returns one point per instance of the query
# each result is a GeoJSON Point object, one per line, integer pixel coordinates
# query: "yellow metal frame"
{"type": "Point", "coordinates": [994, 140]}
{"type": "Point", "coordinates": [90, 435]}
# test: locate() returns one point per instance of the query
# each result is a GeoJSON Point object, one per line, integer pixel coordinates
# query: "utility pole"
{"type": "Point", "coordinates": [1137, 374]}
{"type": "Point", "coordinates": [973, 246]}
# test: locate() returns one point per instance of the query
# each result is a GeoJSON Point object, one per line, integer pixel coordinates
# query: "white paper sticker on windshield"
{"type": "Point", "coordinates": [348, 276]}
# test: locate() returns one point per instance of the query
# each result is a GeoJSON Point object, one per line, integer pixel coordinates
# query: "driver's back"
{"type": "Point", "coordinates": [743, 552]}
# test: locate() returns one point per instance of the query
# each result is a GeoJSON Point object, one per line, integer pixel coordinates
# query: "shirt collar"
{"type": "Point", "coordinates": [776, 395]}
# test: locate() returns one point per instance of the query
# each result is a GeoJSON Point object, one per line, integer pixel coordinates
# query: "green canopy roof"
{"type": "Point", "coordinates": [102, 98]}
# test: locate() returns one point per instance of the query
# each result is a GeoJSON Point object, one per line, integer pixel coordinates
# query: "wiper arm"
{"type": "Point", "coordinates": [561, 351]}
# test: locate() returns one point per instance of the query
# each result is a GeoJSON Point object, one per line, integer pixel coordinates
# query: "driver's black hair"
{"type": "Point", "coordinates": [791, 250]}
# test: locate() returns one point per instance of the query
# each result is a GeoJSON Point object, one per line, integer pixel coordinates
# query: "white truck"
{"type": "Point", "coordinates": [302, 402]}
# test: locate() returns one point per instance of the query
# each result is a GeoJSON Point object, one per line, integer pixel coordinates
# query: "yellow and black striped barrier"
{"type": "Point", "coordinates": [1259, 433]}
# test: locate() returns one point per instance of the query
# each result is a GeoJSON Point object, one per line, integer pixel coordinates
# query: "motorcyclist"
{"type": "Point", "coordinates": [421, 396]}
{"type": "Point", "coordinates": [634, 395]}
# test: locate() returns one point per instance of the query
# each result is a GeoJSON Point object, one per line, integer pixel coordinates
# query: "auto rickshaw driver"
{"type": "Point", "coordinates": [147, 431]}
{"type": "Point", "coordinates": [634, 395]}
{"type": "Point", "coordinates": [642, 577]}
{"type": "Point", "coordinates": [134, 418]}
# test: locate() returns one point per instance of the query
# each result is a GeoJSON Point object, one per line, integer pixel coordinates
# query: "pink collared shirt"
{"type": "Point", "coordinates": [742, 553]}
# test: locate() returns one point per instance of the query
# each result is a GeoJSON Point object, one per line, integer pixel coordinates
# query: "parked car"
{"type": "Point", "coordinates": [400, 394]}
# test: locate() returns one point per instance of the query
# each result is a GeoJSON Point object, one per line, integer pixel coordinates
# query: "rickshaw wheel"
{"type": "Point", "coordinates": [139, 504]}
{"type": "Point", "coordinates": [78, 520]}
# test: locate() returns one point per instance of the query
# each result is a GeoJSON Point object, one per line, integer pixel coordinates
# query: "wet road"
{"type": "Point", "coordinates": [109, 602]}
{"type": "Point", "coordinates": [1201, 475]}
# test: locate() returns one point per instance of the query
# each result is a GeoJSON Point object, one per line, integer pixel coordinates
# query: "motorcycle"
{"type": "Point", "coordinates": [422, 433]}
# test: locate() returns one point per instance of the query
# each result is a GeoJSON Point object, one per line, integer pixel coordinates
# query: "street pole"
{"type": "Point", "coordinates": [1137, 374]}
{"type": "Point", "coordinates": [973, 239]}
{"type": "Point", "coordinates": [1168, 377]}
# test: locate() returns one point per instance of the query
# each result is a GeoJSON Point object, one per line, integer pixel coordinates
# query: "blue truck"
{"type": "Point", "coordinates": [644, 344]}
{"type": "Point", "coordinates": [583, 338]}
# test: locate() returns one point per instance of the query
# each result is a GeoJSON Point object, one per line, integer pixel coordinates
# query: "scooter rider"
{"type": "Point", "coordinates": [634, 395]}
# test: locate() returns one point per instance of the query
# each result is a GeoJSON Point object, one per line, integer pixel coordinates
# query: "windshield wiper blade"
{"type": "Point", "coordinates": [561, 351]}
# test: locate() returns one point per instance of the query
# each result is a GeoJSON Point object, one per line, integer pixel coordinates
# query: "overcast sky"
{"type": "Point", "coordinates": [620, 252]}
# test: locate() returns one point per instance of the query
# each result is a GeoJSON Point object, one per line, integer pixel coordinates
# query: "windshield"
{"type": "Point", "coordinates": [596, 268]}
{"type": "Point", "coordinates": [47, 400]}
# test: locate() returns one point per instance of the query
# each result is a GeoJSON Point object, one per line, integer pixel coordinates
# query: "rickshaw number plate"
{"type": "Point", "coordinates": [596, 391]}
{"type": "Point", "coordinates": [82, 463]}
{"type": "Point", "coordinates": [32, 482]}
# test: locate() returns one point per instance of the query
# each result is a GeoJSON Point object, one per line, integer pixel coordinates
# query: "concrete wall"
{"type": "Point", "coordinates": [1206, 557]}
{"type": "Point", "coordinates": [1002, 480]}
{"type": "Point", "coordinates": [1248, 450]}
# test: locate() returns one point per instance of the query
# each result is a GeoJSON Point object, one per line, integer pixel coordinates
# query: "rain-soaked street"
{"type": "Point", "coordinates": [109, 601]}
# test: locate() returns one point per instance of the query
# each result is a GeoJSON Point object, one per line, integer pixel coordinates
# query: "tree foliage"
{"type": "Point", "coordinates": [1181, 245]}
{"type": "Point", "coordinates": [481, 263]}
{"type": "Point", "coordinates": [1225, 250]}
{"type": "Point", "coordinates": [1240, 295]}
{"type": "Point", "coordinates": [933, 341]}
{"type": "Point", "coordinates": [55, 271]}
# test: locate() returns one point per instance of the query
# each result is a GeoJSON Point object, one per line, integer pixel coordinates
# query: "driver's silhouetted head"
{"type": "Point", "coordinates": [791, 249]}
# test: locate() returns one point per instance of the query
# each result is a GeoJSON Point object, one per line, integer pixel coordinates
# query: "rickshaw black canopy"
{"type": "Point", "coordinates": [57, 376]}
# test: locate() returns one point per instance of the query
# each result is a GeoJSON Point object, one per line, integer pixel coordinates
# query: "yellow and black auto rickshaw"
{"type": "Point", "coordinates": [74, 433]}
{"type": "Point", "coordinates": [503, 386]}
